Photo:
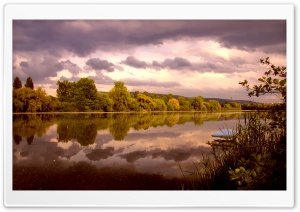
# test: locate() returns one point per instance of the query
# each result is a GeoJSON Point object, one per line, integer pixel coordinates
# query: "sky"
{"type": "Point", "coordinates": [184, 57]}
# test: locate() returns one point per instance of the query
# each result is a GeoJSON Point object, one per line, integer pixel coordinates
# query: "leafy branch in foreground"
{"type": "Point", "coordinates": [272, 85]}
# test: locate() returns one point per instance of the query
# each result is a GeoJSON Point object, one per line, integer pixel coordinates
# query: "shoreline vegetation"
{"type": "Point", "coordinates": [83, 96]}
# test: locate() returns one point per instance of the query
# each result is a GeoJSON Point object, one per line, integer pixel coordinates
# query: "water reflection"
{"type": "Point", "coordinates": [143, 144]}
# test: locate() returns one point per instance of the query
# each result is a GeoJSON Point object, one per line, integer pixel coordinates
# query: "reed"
{"type": "Point", "coordinates": [253, 159]}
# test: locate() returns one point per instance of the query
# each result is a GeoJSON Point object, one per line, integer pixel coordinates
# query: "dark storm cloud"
{"type": "Point", "coordinates": [152, 83]}
{"type": "Point", "coordinates": [98, 64]}
{"type": "Point", "coordinates": [67, 64]}
{"type": "Point", "coordinates": [85, 37]}
{"type": "Point", "coordinates": [102, 79]}
{"type": "Point", "coordinates": [133, 62]}
{"type": "Point", "coordinates": [41, 67]}
{"type": "Point", "coordinates": [176, 63]}
{"type": "Point", "coordinates": [38, 67]}
{"type": "Point", "coordinates": [182, 64]}
{"type": "Point", "coordinates": [24, 64]}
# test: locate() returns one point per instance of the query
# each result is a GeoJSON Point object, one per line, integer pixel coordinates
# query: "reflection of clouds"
{"type": "Point", "coordinates": [133, 136]}
{"type": "Point", "coordinates": [71, 150]}
{"type": "Point", "coordinates": [98, 154]}
{"type": "Point", "coordinates": [175, 154]}
{"type": "Point", "coordinates": [133, 156]}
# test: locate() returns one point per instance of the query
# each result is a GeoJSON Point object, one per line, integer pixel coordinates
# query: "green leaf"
{"type": "Point", "coordinates": [242, 169]}
{"type": "Point", "coordinates": [237, 170]}
{"type": "Point", "coordinates": [283, 82]}
{"type": "Point", "coordinates": [231, 172]}
{"type": "Point", "coordinates": [259, 169]}
{"type": "Point", "coordinates": [248, 179]}
{"type": "Point", "coordinates": [275, 81]}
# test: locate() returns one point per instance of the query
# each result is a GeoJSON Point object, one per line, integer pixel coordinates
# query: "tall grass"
{"type": "Point", "coordinates": [253, 159]}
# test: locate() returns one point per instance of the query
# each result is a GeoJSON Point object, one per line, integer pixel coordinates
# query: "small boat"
{"type": "Point", "coordinates": [225, 133]}
{"type": "Point", "coordinates": [222, 137]}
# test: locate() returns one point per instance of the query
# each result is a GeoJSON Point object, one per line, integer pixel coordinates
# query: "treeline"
{"type": "Point", "coordinates": [260, 106]}
{"type": "Point", "coordinates": [82, 96]}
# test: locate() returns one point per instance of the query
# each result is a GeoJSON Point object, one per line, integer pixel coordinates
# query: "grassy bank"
{"type": "Point", "coordinates": [254, 159]}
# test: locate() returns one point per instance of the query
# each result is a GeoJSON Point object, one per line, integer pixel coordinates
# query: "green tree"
{"type": "Point", "coordinates": [104, 103]}
{"type": "Point", "coordinates": [29, 83]}
{"type": "Point", "coordinates": [272, 85]}
{"type": "Point", "coordinates": [65, 91]}
{"type": "Point", "coordinates": [120, 96]}
{"type": "Point", "coordinates": [175, 103]}
{"type": "Point", "coordinates": [133, 105]}
{"type": "Point", "coordinates": [17, 83]}
{"type": "Point", "coordinates": [214, 105]}
{"type": "Point", "coordinates": [85, 94]}
{"type": "Point", "coordinates": [198, 103]}
{"type": "Point", "coordinates": [160, 105]}
{"type": "Point", "coordinates": [184, 104]}
{"type": "Point", "coordinates": [146, 102]}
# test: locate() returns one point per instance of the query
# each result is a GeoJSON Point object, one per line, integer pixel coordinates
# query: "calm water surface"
{"type": "Point", "coordinates": [111, 151]}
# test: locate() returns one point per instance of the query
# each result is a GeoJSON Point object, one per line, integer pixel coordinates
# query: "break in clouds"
{"type": "Point", "coordinates": [180, 55]}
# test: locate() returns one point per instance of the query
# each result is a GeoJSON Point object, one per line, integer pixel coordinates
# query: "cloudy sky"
{"type": "Point", "coordinates": [190, 58]}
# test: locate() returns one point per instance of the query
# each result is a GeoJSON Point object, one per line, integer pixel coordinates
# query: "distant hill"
{"type": "Point", "coordinates": [222, 101]}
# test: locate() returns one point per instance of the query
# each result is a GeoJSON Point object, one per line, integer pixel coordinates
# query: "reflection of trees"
{"type": "Point", "coordinates": [229, 116]}
{"type": "Point", "coordinates": [83, 127]}
{"type": "Point", "coordinates": [83, 131]}
{"type": "Point", "coordinates": [212, 116]}
{"type": "Point", "coordinates": [29, 125]}
{"type": "Point", "coordinates": [30, 139]}
{"type": "Point", "coordinates": [17, 138]}
{"type": "Point", "coordinates": [172, 119]}
{"type": "Point", "coordinates": [120, 126]}
{"type": "Point", "coordinates": [198, 118]}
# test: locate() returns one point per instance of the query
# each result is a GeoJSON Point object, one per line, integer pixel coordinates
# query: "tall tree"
{"type": "Point", "coordinates": [17, 83]}
{"type": "Point", "coordinates": [175, 103]}
{"type": "Point", "coordinates": [29, 83]}
{"type": "Point", "coordinates": [146, 102]}
{"type": "Point", "coordinates": [120, 96]}
{"type": "Point", "coordinates": [198, 103]}
{"type": "Point", "coordinates": [85, 94]}
{"type": "Point", "coordinates": [65, 91]}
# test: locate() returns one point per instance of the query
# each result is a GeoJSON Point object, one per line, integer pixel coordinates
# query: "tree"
{"type": "Point", "coordinates": [85, 94]}
{"type": "Point", "coordinates": [184, 104]}
{"type": "Point", "coordinates": [104, 103]}
{"type": "Point", "coordinates": [133, 105]}
{"type": "Point", "coordinates": [271, 85]}
{"type": "Point", "coordinates": [120, 96]}
{"type": "Point", "coordinates": [17, 83]}
{"type": "Point", "coordinates": [65, 91]}
{"type": "Point", "coordinates": [160, 105]}
{"type": "Point", "coordinates": [146, 102]}
{"type": "Point", "coordinates": [29, 83]}
{"type": "Point", "coordinates": [214, 105]}
{"type": "Point", "coordinates": [175, 103]}
{"type": "Point", "coordinates": [198, 103]}
{"type": "Point", "coordinates": [275, 85]}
